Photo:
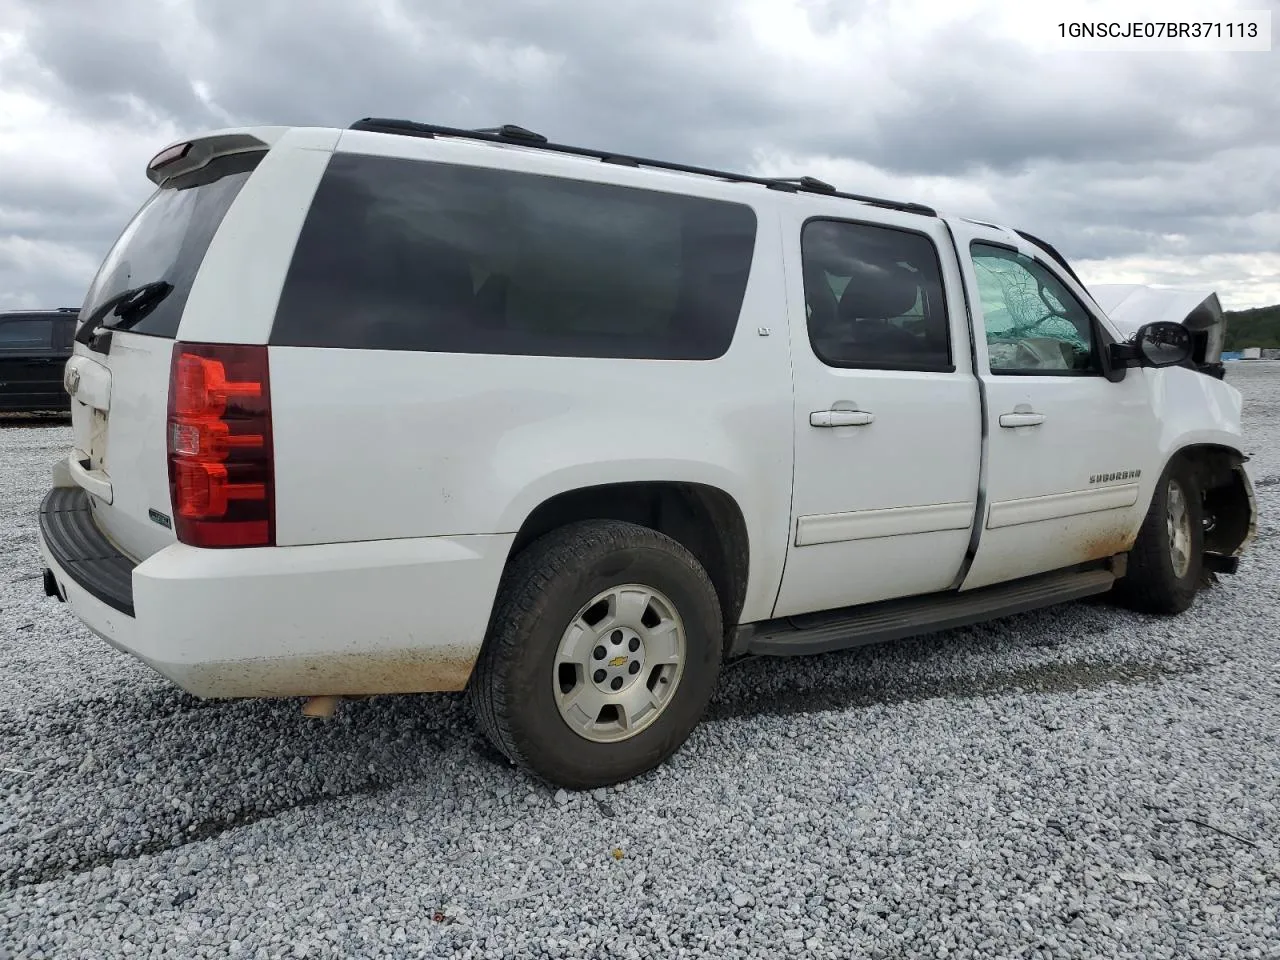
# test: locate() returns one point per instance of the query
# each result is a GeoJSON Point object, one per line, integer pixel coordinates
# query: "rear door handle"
{"type": "Point", "coordinates": [1021, 419]}
{"type": "Point", "coordinates": [840, 418]}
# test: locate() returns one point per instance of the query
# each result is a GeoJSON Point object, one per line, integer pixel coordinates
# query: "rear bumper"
{"type": "Point", "coordinates": [383, 616]}
{"type": "Point", "coordinates": [78, 547]}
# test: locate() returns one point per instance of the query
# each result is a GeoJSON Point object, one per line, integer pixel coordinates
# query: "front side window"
{"type": "Point", "coordinates": [27, 335]}
{"type": "Point", "coordinates": [874, 299]}
{"type": "Point", "coordinates": [402, 254]}
{"type": "Point", "coordinates": [1033, 323]}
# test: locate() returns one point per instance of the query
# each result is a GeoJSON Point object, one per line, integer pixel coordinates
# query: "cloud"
{"type": "Point", "coordinates": [1169, 160]}
{"type": "Point", "coordinates": [1254, 277]}
{"type": "Point", "coordinates": [62, 269]}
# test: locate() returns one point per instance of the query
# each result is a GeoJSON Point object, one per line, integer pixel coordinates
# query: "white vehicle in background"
{"type": "Point", "coordinates": [403, 408]}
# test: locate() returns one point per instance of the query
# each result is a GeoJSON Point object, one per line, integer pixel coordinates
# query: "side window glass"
{"type": "Point", "coordinates": [409, 255]}
{"type": "Point", "coordinates": [1033, 323]}
{"type": "Point", "coordinates": [26, 336]}
{"type": "Point", "coordinates": [64, 333]}
{"type": "Point", "coordinates": [874, 298]}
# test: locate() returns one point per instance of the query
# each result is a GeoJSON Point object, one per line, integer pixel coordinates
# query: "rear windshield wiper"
{"type": "Point", "coordinates": [129, 305]}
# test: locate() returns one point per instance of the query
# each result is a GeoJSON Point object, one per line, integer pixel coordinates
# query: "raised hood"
{"type": "Point", "coordinates": [1130, 305]}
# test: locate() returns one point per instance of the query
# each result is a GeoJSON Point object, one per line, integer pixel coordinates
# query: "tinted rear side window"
{"type": "Point", "coordinates": [409, 255]}
{"type": "Point", "coordinates": [167, 240]}
{"type": "Point", "coordinates": [26, 335]}
{"type": "Point", "coordinates": [874, 297]}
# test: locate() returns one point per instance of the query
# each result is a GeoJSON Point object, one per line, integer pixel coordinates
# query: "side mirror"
{"type": "Point", "coordinates": [1160, 344]}
{"type": "Point", "coordinates": [1163, 344]}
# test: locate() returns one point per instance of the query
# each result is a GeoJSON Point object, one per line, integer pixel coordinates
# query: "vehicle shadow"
{"type": "Point", "coordinates": [1045, 651]}
{"type": "Point", "coordinates": [156, 770]}
{"type": "Point", "coordinates": [51, 419]}
{"type": "Point", "coordinates": [159, 769]}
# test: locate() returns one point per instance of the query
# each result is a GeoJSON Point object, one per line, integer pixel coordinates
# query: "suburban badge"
{"type": "Point", "coordinates": [1113, 477]}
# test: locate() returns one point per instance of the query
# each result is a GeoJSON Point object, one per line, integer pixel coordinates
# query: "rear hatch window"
{"type": "Point", "coordinates": [167, 240]}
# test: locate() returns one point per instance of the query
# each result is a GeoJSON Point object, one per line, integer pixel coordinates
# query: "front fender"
{"type": "Point", "coordinates": [1199, 419]}
{"type": "Point", "coordinates": [1195, 410]}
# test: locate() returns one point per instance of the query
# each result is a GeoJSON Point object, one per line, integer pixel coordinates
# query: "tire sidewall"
{"type": "Point", "coordinates": [541, 734]}
{"type": "Point", "coordinates": [1183, 588]}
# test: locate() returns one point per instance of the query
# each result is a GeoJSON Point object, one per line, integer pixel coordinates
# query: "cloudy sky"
{"type": "Point", "coordinates": [1141, 167]}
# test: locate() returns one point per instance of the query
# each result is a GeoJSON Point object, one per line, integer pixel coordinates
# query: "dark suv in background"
{"type": "Point", "coordinates": [34, 347]}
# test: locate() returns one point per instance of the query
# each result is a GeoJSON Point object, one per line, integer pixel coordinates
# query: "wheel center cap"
{"type": "Point", "coordinates": [619, 658]}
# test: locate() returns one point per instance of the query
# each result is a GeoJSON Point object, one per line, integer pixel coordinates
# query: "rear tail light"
{"type": "Point", "coordinates": [221, 472]}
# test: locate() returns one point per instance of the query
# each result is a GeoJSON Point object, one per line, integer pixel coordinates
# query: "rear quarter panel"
{"type": "Point", "coordinates": [374, 444]}
{"type": "Point", "coordinates": [234, 296]}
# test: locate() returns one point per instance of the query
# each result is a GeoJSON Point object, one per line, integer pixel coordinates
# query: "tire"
{"type": "Point", "coordinates": [1166, 572]}
{"type": "Point", "coordinates": [540, 662]}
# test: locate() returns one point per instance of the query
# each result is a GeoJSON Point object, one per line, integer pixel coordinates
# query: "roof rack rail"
{"type": "Point", "coordinates": [811, 184]}
{"type": "Point", "coordinates": [512, 134]}
{"type": "Point", "coordinates": [509, 131]}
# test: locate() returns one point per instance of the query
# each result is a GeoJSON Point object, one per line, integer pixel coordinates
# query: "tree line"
{"type": "Point", "coordinates": [1259, 327]}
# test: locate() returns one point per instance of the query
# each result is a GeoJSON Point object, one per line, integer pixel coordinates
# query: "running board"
{"type": "Point", "coordinates": [896, 619]}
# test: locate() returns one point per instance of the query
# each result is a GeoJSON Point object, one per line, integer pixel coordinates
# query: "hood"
{"type": "Point", "coordinates": [1130, 305]}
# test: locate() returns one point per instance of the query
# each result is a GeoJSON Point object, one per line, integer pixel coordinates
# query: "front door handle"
{"type": "Point", "coordinates": [1021, 419]}
{"type": "Point", "coordinates": [840, 418]}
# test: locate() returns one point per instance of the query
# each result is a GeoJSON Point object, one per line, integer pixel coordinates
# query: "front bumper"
{"type": "Point", "coordinates": [382, 616]}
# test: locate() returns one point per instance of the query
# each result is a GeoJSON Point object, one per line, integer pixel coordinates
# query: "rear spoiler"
{"type": "Point", "coordinates": [187, 156]}
{"type": "Point", "coordinates": [1130, 305]}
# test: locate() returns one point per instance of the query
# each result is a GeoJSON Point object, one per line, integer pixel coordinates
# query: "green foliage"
{"type": "Point", "coordinates": [1259, 327]}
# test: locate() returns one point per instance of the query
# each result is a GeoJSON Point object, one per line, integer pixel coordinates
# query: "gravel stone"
{"type": "Point", "coordinates": [1038, 787]}
{"type": "Point", "coordinates": [1138, 877]}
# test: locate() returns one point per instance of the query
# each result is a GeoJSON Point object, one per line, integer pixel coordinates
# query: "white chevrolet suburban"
{"type": "Point", "coordinates": [403, 408]}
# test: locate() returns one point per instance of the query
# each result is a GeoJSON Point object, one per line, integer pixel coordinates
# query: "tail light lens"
{"type": "Point", "coordinates": [219, 443]}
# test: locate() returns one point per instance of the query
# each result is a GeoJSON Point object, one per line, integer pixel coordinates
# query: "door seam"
{"type": "Point", "coordinates": [980, 507]}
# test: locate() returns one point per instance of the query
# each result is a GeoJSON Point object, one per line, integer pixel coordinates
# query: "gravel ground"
{"type": "Point", "coordinates": [1079, 782]}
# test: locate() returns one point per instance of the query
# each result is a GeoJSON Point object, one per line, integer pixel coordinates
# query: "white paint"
{"type": "Point", "coordinates": [91, 381]}
{"type": "Point", "coordinates": [1010, 513]}
{"type": "Point", "coordinates": [891, 522]}
{"type": "Point", "coordinates": [1090, 426]}
{"type": "Point", "coordinates": [1131, 305]}
{"type": "Point", "coordinates": [401, 478]}
{"type": "Point", "coordinates": [95, 481]}
{"type": "Point", "coordinates": [128, 473]}
{"type": "Point", "coordinates": [233, 612]}
{"type": "Point", "coordinates": [420, 444]}
{"type": "Point", "coordinates": [234, 296]}
{"type": "Point", "coordinates": [922, 449]}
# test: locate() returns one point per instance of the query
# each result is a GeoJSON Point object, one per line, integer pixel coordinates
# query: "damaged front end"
{"type": "Point", "coordinates": [1230, 507]}
{"type": "Point", "coordinates": [1130, 305]}
{"type": "Point", "coordinates": [1231, 512]}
